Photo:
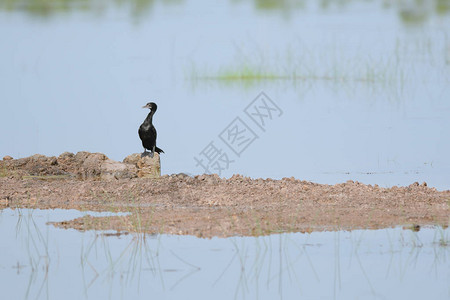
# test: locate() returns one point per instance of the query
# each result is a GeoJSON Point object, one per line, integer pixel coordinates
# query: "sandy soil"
{"type": "Point", "coordinates": [208, 206]}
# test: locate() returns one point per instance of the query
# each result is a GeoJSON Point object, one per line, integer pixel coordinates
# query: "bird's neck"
{"type": "Point", "coordinates": [149, 117]}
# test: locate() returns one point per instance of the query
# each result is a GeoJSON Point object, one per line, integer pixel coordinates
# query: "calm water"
{"type": "Point", "coordinates": [362, 86]}
{"type": "Point", "coordinates": [354, 90]}
{"type": "Point", "coordinates": [39, 261]}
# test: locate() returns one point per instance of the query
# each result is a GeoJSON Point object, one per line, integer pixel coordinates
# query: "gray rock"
{"type": "Point", "coordinates": [90, 164]}
{"type": "Point", "coordinates": [111, 169]}
{"type": "Point", "coordinates": [132, 159]}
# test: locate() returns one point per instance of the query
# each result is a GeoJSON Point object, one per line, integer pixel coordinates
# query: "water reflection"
{"type": "Point", "coordinates": [54, 263]}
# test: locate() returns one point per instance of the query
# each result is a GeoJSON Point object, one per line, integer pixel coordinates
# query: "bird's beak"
{"type": "Point", "coordinates": [145, 106]}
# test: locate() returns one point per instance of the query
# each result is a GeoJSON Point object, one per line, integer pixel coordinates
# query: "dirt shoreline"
{"type": "Point", "coordinates": [208, 206]}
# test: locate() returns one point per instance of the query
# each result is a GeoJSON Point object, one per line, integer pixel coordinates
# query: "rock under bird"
{"type": "Point", "coordinates": [147, 132]}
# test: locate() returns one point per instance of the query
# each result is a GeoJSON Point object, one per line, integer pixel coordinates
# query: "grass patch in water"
{"type": "Point", "coordinates": [384, 72]}
{"type": "Point", "coordinates": [247, 72]}
{"type": "Point", "coordinates": [393, 67]}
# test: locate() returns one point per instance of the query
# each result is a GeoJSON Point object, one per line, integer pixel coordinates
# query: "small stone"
{"type": "Point", "coordinates": [4, 202]}
{"type": "Point", "coordinates": [53, 161]}
{"type": "Point", "coordinates": [7, 157]}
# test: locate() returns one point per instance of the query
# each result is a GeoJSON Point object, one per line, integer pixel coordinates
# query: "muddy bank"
{"type": "Point", "coordinates": [210, 206]}
{"type": "Point", "coordinates": [83, 165]}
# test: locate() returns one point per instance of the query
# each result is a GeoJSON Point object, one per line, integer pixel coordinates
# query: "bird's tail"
{"type": "Point", "coordinates": [159, 150]}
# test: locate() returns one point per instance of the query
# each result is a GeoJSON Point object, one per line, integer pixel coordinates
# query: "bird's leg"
{"type": "Point", "coordinates": [144, 153]}
{"type": "Point", "coordinates": [152, 152]}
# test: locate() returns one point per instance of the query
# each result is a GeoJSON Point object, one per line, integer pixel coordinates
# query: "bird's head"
{"type": "Point", "coordinates": [151, 105]}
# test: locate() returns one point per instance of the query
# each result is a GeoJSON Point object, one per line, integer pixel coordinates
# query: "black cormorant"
{"type": "Point", "coordinates": [147, 132]}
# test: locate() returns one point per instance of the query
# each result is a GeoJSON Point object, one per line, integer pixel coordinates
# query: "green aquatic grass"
{"type": "Point", "coordinates": [441, 237]}
{"type": "Point", "coordinates": [365, 72]}
{"type": "Point", "coordinates": [247, 72]}
{"type": "Point", "coordinates": [49, 8]}
{"type": "Point", "coordinates": [393, 68]}
{"type": "Point", "coordinates": [415, 13]}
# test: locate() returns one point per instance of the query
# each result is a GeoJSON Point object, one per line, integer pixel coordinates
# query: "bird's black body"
{"type": "Point", "coordinates": [147, 132]}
